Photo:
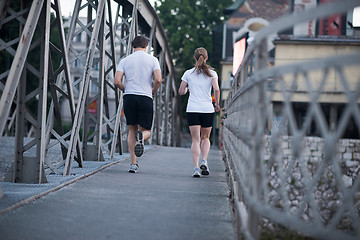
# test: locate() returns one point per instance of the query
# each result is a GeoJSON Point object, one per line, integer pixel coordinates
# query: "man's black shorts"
{"type": "Point", "coordinates": [138, 110]}
{"type": "Point", "coordinates": [202, 119]}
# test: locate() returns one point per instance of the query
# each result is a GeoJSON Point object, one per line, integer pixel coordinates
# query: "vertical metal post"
{"type": "Point", "coordinates": [43, 87]}
{"type": "Point", "coordinates": [162, 99]}
{"type": "Point", "coordinates": [20, 124]}
{"type": "Point", "coordinates": [259, 116]}
{"type": "Point", "coordinates": [167, 109]}
{"type": "Point", "coordinates": [101, 86]}
{"type": "Point", "coordinates": [154, 128]}
{"type": "Point", "coordinates": [117, 141]}
{"type": "Point", "coordinates": [86, 118]}
{"type": "Point", "coordinates": [108, 84]}
{"type": "Point", "coordinates": [20, 129]}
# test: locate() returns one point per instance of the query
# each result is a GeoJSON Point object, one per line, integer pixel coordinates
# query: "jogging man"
{"type": "Point", "coordinates": [139, 68]}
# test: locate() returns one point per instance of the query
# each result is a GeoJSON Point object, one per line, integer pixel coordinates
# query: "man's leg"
{"type": "Point", "coordinates": [146, 133]}
{"type": "Point", "coordinates": [145, 117]}
{"type": "Point", "coordinates": [132, 142]}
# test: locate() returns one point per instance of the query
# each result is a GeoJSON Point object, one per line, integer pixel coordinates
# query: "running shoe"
{"type": "Point", "coordinates": [196, 172]}
{"type": "Point", "coordinates": [133, 168]}
{"type": "Point", "coordinates": [204, 168]}
{"type": "Point", "coordinates": [139, 146]}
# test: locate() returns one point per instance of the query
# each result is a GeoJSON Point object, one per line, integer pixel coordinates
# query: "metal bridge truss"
{"type": "Point", "coordinates": [249, 110]}
{"type": "Point", "coordinates": [40, 78]}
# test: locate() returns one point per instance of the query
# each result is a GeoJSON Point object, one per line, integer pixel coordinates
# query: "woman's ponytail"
{"type": "Point", "coordinates": [200, 65]}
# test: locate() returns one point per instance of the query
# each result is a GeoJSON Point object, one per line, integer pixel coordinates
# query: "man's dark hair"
{"type": "Point", "coordinates": [139, 42]}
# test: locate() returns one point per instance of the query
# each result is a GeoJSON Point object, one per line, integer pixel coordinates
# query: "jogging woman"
{"type": "Point", "coordinates": [199, 81]}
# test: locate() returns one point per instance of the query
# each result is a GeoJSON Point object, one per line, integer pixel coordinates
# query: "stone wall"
{"type": "Point", "coordinates": [290, 179]}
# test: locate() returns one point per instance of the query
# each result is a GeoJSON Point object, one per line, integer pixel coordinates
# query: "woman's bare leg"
{"type": "Point", "coordinates": [205, 142]}
{"type": "Point", "coordinates": [195, 145]}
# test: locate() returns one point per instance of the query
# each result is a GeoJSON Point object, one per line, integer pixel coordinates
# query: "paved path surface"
{"type": "Point", "coordinates": [161, 201]}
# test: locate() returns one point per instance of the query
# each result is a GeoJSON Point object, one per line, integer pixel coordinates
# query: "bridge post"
{"type": "Point", "coordinates": [259, 115]}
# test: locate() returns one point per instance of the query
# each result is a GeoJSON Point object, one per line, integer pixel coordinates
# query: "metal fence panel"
{"type": "Point", "coordinates": [275, 174]}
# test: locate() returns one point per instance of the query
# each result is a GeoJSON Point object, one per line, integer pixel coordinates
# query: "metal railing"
{"type": "Point", "coordinates": [263, 177]}
{"type": "Point", "coordinates": [89, 101]}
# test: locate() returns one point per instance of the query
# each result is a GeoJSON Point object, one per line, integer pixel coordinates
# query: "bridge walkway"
{"type": "Point", "coordinates": [161, 201]}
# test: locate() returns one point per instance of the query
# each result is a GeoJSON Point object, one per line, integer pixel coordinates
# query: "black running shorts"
{"type": "Point", "coordinates": [138, 110]}
{"type": "Point", "coordinates": [203, 119]}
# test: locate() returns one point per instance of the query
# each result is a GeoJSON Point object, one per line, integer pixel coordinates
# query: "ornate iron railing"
{"type": "Point", "coordinates": [273, 178]}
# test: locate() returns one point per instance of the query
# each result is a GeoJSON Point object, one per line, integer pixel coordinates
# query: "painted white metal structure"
{"type": "Point", "coordinates": [248, 111]}
{"type": "Point", "coordinates": [49, 83]}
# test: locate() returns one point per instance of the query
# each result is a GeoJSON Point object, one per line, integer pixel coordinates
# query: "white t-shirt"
{"type": "Point", "coordinates": [200, 91]}
{"type": "Point", "coordinates": [138, 69]}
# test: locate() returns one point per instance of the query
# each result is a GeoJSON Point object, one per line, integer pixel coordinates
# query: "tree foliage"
{"type": "Point", "coordinates": [188, 25]}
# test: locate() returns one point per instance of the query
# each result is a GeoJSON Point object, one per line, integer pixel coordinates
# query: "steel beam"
{"type": "Point", "coordinates": [44, 25]}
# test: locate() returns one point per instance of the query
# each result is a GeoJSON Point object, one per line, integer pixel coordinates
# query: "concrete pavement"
{"type": "Point", "coordinates": [161, 201]}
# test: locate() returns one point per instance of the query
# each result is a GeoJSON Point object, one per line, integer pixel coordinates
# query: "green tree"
{"type": "Point", "coordinates": [188, 25]}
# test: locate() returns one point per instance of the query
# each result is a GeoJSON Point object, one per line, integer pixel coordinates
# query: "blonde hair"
{"type": "Point", "coordinates": [200, 66]}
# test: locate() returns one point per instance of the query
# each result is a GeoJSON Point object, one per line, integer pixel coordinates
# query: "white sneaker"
{"type": "Point", "coordinates": [133, 168]}
{"type": "Point", "coordinates": [139, 146]}
{"type": "Point", "coordinates": [204, 168]}
{"type": "Point", "coordinates": [196, 172]}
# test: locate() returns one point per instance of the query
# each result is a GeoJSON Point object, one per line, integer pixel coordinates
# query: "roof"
{"type": "Point", "coordinates": [267, 9]}
{"type": "Point", "coordinates": [242, 10]}
{"type": "Point", "coordinates": [235, 6]}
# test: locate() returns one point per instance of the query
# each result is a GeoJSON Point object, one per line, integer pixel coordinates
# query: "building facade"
{"type": "Point", "coordinates": [317, 38]}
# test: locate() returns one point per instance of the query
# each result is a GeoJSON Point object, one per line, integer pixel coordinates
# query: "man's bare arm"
{"type": "Point", "coordinates": [118, 82]}
{"type": "Point", "coordinates": [157, 81]}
